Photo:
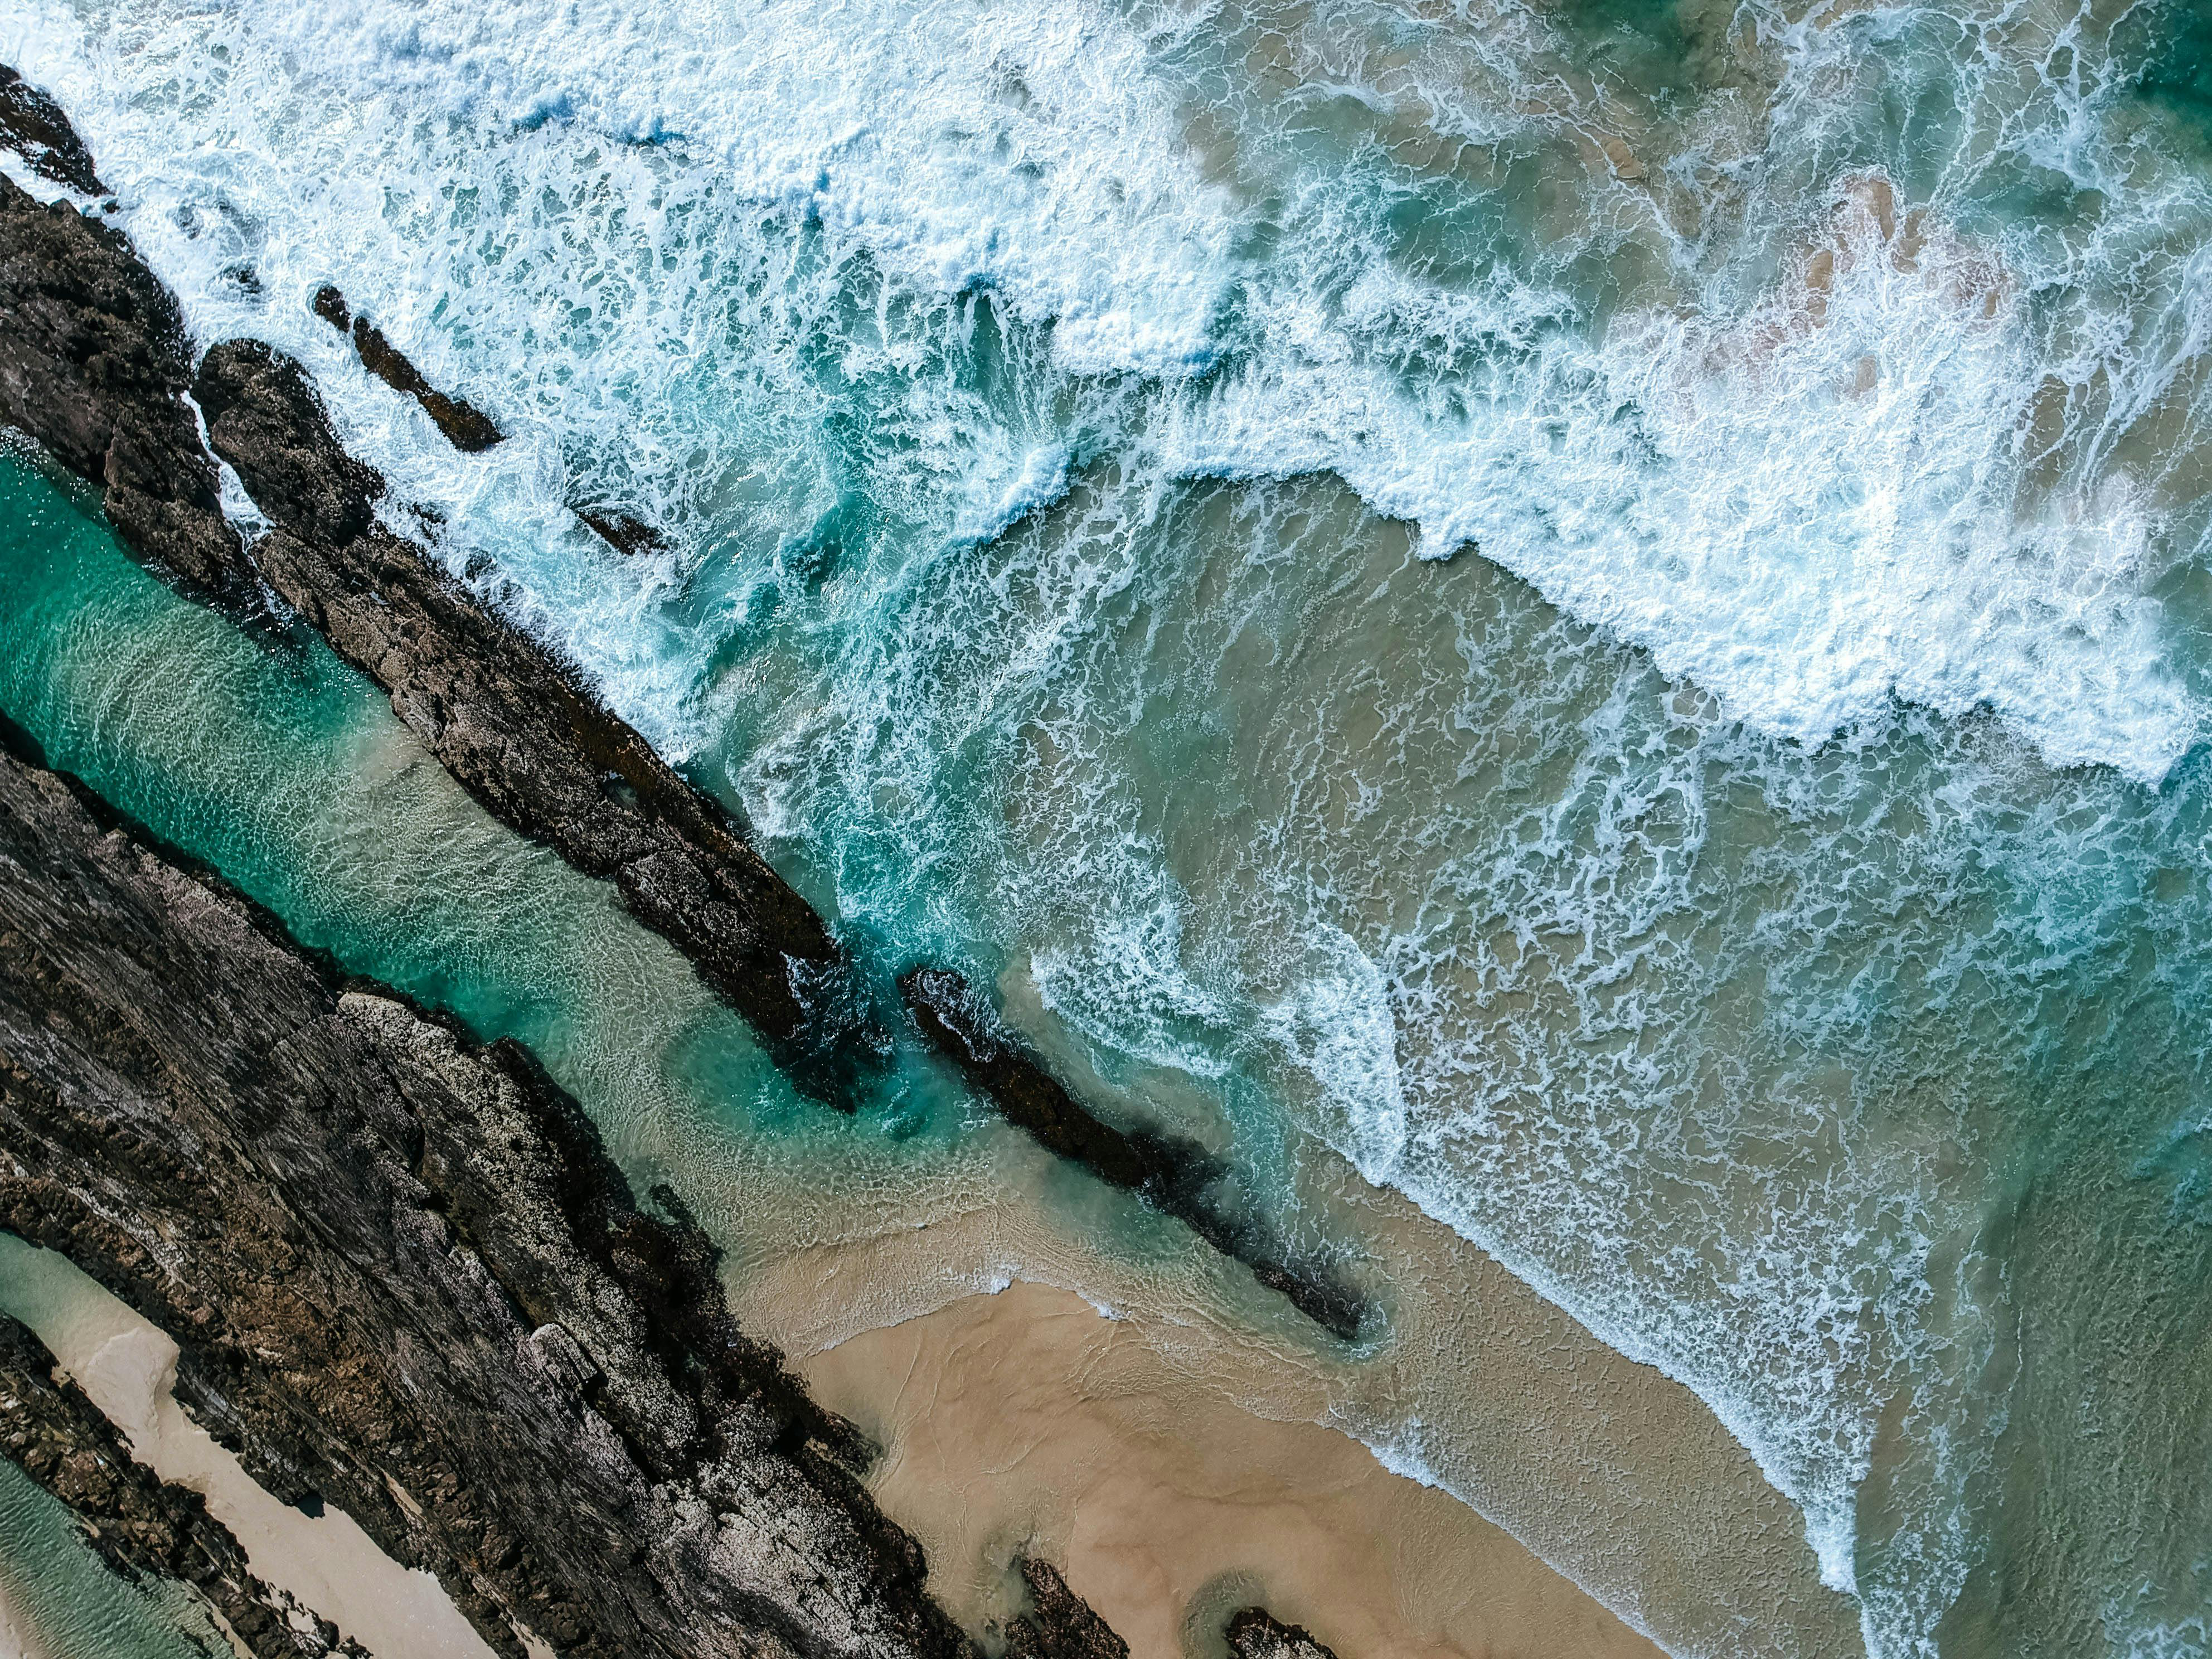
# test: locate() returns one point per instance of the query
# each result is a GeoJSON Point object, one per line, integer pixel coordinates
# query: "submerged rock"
{"type": "Point", "coordinates": [34, 127]}
{"type": "Point", "coordinates": [621, 531]}
{"type": "Point", "coordinates": [403, 1276]}
{"type": "Point", "coordinates": [140, 1525]}
{"type": "Point", "coordinates": [1175, 1175]}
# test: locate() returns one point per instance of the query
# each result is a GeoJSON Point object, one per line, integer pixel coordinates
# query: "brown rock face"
{"type": "Point", "coordinates": [141, 1526]}
{"type": "Point", "coordinates": [1060, 1623]}
{"type": "Point", "coordinates": [514, 729]}
{"type": "Point", "coordinates": [93, 362]}
{"type": "Point", "coordinates": [403, 1276]}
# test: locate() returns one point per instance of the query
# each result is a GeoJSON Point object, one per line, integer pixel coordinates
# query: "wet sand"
{"type": "Point", "coordinates": [126, 1366]}
{"type": "Point", "coordinates": [1027, 1421]}
{"type": "Point", "coordinates": [1174, 1459]}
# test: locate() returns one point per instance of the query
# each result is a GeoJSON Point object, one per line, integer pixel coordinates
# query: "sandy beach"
{"type": "Point", "coordinates": [1184, 1460]}
{"type": "Point", "coordinates": [126, 1366]}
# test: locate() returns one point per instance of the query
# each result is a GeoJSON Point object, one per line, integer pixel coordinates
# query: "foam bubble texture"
{"type": "Point", "coordinates": [1706, 927]}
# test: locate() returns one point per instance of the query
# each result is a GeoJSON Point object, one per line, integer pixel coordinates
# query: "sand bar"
{"type": "Point", "coordinates": [126, 1366]}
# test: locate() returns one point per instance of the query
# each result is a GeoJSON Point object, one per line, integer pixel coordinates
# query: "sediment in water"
{"type": "Point", "coordinates": [1177, 1176]}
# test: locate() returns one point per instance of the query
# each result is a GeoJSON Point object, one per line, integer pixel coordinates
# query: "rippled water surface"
{"type": "Point", "coordinates": [1596, 611]}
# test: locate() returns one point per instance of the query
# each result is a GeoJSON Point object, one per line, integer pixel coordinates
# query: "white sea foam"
{"type": "Point", "coordinates": [1829, 454]}
{"type": "Point", "coordinates": [1807, 518]}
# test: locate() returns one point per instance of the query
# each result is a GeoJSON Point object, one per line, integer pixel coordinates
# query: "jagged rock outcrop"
{"type": "Point", "coordinates": [34, 127]}
{"type": "Point", "coordinates": [142, 1525]}
{"type": "Point", "coordinates": [94, 364]}
{"type": "Point", "coordinates": [1058, 1624]}
{"type": "Point", "coordinates": [517, 731]}
{"type": "Point", "coordinates": [94, 358]}
{"type": "Point", "coordinates": [1253, 1633]}
{"type": "Point", "coordinates": [1175, 1175]}
{"type": "Point", "coordinates": [403, 1276]}
{"type": "Point", "coordinates": [467, 427]}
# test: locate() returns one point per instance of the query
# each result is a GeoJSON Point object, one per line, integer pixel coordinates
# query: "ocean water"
{"type": "Point", "coordinates": [253, 751]}
{"type": "Point", "coordinates": [1595, 612]}
{"type": "Point", "coordinates": [59, 1600]}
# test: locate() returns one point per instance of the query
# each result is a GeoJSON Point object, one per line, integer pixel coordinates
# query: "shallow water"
{"type": "Point", "coordinates": [1596, 611]}
{"type": "Point", "coordinates": [58, 1600]}
{"type": "Point", "coordinates": [256, 753]}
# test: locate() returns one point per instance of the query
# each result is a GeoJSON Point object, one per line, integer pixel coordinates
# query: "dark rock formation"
{"type": "Point", "coordinates": [33, 126]}
{"type": "Point", "coordinates": [1173, 1175]}
{"type": "Point", "coordinates": [516, 729]}
{"type": "Point", "coordinates": [466, 427]}
{"type": "Point", "coordinates": [93, 359]}
{"type": "Point", "coordinates": [94, 364]}
{"type": "Point", "coordinates": [405, 1276]}
{"type": "Point", "coordinates": [1060, 1623]}
{"type": "Point", "coordinates": [621, 531]}
{"type": "Point", "coordinates": [1253, 1634]}
{"type": "Point", "coordinates": [142, 1525]}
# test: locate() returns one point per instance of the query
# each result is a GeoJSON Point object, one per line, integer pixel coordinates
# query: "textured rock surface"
{"type": "Point", "coordinates": [1060, 1623]}
{"type": "Point", "coordinates": [621, 531]}
{"type": "Point", "coordinates": [404, 1276]}
{"type": "Point", "coordinates": [1253, 1634]}
{"type": "Point", "coordinates": [34, 127]}
{"type": "Point", "coordinates": [142, 1525]}
{"type": "Point", "coordinates": [96, 365]}
{"type": "Point", "coordinates": [93, 360]}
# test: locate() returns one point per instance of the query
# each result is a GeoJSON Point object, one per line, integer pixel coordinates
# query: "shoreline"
{"type": "Point", "coordinates": [1026, 1420]}
{"type": "Point", "coordinates": [845, 1370]}
{"type": "Point", "coordinates": [1673, 1531]}
{"type": "Point", "coordinates": [126, 1366]}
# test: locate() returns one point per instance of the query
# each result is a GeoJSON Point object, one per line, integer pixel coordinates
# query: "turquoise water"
{"type": "Point", "coordinates": [51, 1578]}
{"type": "Point", "coordinates": [1597, 612]}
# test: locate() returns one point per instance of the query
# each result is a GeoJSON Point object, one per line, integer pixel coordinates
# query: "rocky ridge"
{"type": "Point", "coordinates": [142, 1525]}
{"type": "Point", "coordinates": [96, 366]}
{"type": "Point", "coordinates": [404, 1276]}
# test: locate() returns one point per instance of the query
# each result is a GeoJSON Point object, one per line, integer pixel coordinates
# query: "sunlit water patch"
{"type": "Point", "coordinates": [1095, 441]}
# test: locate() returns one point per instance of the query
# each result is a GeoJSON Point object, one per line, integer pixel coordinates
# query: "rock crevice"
{"type": "Point", "coordinates": [96, 365]}
{"type": "Point", "coordinates": [404, 1276]}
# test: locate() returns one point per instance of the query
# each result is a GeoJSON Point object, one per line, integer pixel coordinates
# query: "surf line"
{"type": "Point", "coordinates": [96, 366]}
